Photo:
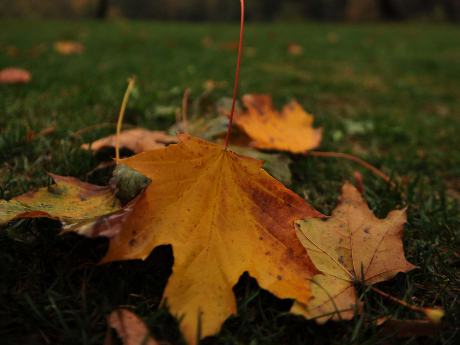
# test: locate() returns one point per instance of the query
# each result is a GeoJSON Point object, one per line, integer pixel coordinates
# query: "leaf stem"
{"type": "Point", "coordinates": [396, 300]}
{"type": "Point", "coordinates": [237, 75]}
{"type": "Point", "coordinates": [433, 314]}
{"type": "Point", "coordinates": [121, 115]}
{"type": "Point", "coordinates": [350, 157]}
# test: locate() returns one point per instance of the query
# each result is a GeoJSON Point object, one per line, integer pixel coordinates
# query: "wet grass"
{"type": "Point", "coordinates": [387, 93]}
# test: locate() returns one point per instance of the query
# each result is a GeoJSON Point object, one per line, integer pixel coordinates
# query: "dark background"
{"type": "Point", "coordinates": [228, 10]}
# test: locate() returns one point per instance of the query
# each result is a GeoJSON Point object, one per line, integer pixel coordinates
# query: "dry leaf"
{"type": "Point", "coordinates": [223, 215]}
{"type": "Point", "coordinates": [127, 183]}
{"type": "Point", "coordinates": [295, 49]}
{"type": "Point", "coordinates": [276, 164]}
{"type": "Point", "coordinates": [408, 328]}
{"type": "Point", "coordinates": [291, 130]}
{"type": "Point", "coordinates": [69, 47]}
{"type": "Point", "coordinates": [78, 205]}
{"type": "Point", "coordinates": [130, 328]}
{"type": "Point", "coordinates": [13, 75]}
{"type": "Point", "coordinates": [137, 140]}
{"type": "Point", "coordinates": [352, 246]}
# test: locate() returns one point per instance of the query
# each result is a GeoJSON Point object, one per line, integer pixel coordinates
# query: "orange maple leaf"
{"type": "Point", "coordinates": [291, 130]}
{"type": "Point", "coordinates": [69, 47]}
{"type": "Point", "coordinates": [223, 215]}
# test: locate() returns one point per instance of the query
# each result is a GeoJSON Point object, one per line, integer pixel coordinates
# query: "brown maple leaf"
{"type": "Point", "coordinates": [136, 139]}
{"type": "Point", "coordinates": [223, 215]}
{"type": "Point", "coordinates": [130, 328]}
{"type": "Point", "coordinates": [352, 246]}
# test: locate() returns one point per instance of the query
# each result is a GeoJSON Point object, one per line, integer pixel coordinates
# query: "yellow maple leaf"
{"type": "Point", "coordinates": [80, 206]}
{"type": "Point", "coordinates": [353, 246]}
{"type": "Point", "coordinates": [291, 130]}
{"type": "Point", "coordinates": [223, 215]}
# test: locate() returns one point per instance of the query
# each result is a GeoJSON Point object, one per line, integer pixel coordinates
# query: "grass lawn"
{"type": "Point", "coordinates": [389, 93]}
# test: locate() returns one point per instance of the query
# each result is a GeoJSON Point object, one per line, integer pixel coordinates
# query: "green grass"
{"type": "Point", "coordinates": [387, 93]}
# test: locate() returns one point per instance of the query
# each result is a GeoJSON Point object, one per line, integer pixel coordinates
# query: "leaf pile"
{"type": "Point", "coordinates": [223, 216]}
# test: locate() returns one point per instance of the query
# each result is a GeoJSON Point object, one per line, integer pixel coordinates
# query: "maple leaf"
{"type": "Point", "coordinates": [130, 328]}
{"type": "Point", "coordinates": [223, 215]}
{"type": "Point", "coordinates": [69, 47]}
{"type": "Point", "coordinates": [276, 164]}
{"type": "Point", "coordinates": [13, 75]}
{"type": "Point", "coordinates": [291, 130]}
{"type": "Point", "coordinates": [352, 246]}
{"type": "Point", "coordinates": [136, 139]}
{"type": "Point", "coordinates": [78, 205]}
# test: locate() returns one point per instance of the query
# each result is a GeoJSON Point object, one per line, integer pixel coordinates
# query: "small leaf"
{"type": "Point", "coordinates": [130, 328]}
{"type": "Point", "coordinates": [13, 75]}
{"type": "Point", "coordinates": [127, 183]}
{"type": "Point", "coordinates": [276, 164]}
{"type": "Point", "coordinates": [69, 47]}
{"type": "Point", "coordinates": [435, 315]}
{"type": "Point", "coordinates": [137, 140]}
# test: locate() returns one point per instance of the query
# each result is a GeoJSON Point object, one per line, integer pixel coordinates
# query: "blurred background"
{"type": "Point", "coordinates": [228, 10]}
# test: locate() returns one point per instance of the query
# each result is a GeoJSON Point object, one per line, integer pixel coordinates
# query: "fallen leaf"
{"type": "Point", "coordinates": [13, 75]}
{"type": "Point", "coordinates": [130, 328]}
{"type": "Point", "coordinates": [137, 140]}
{"type": "Point", "coordinates": [295, 49]}
{"type": "Point", "coordinates": [205, 124]}
{"type": "Point", "coordinates": [352, 246]}
{"type": "Point", "coordinates": [291, 130]}
{"type": "Point", "coordinates": [276, 164]}
{"type": "Point", "coordinates": [223, 215]}
{"type": "Point", "coordinates": [434, 315]}
{"type": "Point", "coordinates": [127, 183]}
{"type": "Point", "coordinates": [408, 328]}
{"type": "Point", "coordinates": [69, 47]}
{"type": "Point", "coordinates": [76, 204]}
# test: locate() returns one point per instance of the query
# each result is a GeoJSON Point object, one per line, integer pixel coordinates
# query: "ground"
{"type": "Point", "coordinates": [389, 93]}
